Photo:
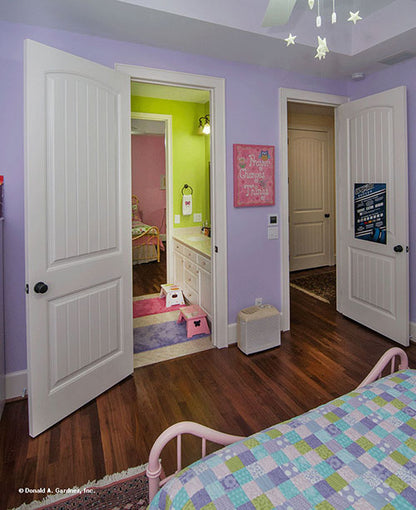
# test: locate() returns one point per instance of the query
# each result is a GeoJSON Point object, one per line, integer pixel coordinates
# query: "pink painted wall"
{"type": "Point", "coordinates": [148, 165]}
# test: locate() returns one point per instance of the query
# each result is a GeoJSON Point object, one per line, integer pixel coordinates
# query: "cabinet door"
{"type": "Point", "coordinates": [178, 268]}
{"type": "Point", "coordinates": [205, 295]}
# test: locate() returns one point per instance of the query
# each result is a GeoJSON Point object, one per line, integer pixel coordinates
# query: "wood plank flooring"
{"type": "Point", "coordinates": [147, 278]}
{"type": "Point", "coordinates": [323, 356]}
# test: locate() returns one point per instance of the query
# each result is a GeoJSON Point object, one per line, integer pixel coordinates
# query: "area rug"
{"type": "Point", "coordinates": [155, 336]}
{"type": "Point", "coordinates": [151, 306]}
{"type": "Point", "coordinates": [122, 491]}
{"type": "Point", "coordinates": [321, 286]}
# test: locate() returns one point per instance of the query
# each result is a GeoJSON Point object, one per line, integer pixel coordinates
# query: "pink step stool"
{"type": "Point", "coordinates": [196, 320]}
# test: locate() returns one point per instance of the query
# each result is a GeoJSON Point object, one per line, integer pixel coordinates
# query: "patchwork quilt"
{"type": "Point", "coordinates": [140, 228]}
{"type": "Point", "coordinates": [356, 452]}
{"type": "Point", "coordinates": [151, 237]}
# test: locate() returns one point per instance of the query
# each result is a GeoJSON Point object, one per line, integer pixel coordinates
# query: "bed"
{"type": "Point", "coordinates": [146, 243]}
{"type": "Point", "coordinates": [357, 451]}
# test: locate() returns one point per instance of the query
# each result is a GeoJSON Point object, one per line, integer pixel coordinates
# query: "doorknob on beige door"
{"type": "Point", "coordinates": [40, 288]}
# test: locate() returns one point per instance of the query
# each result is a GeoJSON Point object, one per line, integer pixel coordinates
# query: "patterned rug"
{"type": "Point", "coordinates": [321, 286]}
{"type": "Point", "coordinates": [151, 306]}
{"type": "Point", "coordinates": [122, 491]}
{"type": "Point", "coordinates": [147, 338]}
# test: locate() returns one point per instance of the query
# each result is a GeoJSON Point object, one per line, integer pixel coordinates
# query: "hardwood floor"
{"type": "Point", "coordinates": [323, 356]}
{"type": "Point", "coordinates": [147, 278]}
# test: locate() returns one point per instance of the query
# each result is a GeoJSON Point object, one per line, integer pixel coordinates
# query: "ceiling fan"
{"type": "Point", "coordinates": [278, 12]}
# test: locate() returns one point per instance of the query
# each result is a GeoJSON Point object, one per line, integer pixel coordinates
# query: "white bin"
{"type": "Point", "coordinates": [258, 328]}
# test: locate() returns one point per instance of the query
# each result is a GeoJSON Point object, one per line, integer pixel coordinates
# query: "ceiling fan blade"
{"type": "Point", "coordinates": [278, 12]}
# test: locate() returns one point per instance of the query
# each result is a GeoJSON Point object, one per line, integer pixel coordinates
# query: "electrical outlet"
{"type": "Point", "coordinates": [197, 217]}
{"type": "Point", "coordinates": [177, 218]}
{"type": "Point", "coordinates": [258, 301]}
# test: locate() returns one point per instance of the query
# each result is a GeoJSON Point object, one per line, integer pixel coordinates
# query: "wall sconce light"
{"type": "Point", "coordinates": [204, 125]}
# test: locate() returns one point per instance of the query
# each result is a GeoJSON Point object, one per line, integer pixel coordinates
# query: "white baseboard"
{"type": "Point", "coordinates": [413, 331]}
{"type": "Point", "coordinates": [16, 384]}
{"type": "Point", "coordinates": [232, 333]}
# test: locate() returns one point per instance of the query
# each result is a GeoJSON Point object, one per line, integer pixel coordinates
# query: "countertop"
{"type": "Point", "coordinates": [194, 240]}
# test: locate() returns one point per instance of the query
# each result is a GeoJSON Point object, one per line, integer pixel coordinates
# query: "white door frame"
{"type": "Point", "coordinates": [167, 120]}
{"type": "Point", "coordinates": [218, 192]}
{"type": "Point", "coordinates": [297, 96]}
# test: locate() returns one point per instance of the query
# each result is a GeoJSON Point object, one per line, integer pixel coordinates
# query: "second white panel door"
{"type": "Point", "coordinates": [310, 199]}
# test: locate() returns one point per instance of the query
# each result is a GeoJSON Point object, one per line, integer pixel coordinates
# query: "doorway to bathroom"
{"type": "Point", "coordinates": [170, 162]}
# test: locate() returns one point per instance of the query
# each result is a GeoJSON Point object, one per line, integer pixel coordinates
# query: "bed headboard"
{"type": "Point", "coordinates": [135, 210]}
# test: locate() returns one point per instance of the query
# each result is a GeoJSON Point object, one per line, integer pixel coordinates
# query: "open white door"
{"type": "Point", "coordinates": [372, 213]}
{"type": "Point", "coordinates": [78, 239]}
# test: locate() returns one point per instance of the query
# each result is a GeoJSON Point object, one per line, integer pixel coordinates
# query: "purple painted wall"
{"type": "Point", "coordinates": [396, 76]}
{"type": "Point", "coordinates": [251, 117]}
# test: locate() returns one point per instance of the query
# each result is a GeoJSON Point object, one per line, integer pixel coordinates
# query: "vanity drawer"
{"type": "Point", "coordinates": [204, 263]}
{"type": "Point", "coordinates": [190, 254]}
{"type": "Point", "coordinates": [190, 294]}
{"type": "Point", "coordinates": [191, 279]}
{"type": "Point", "coordinates": [190, 266]}
{"type": "Point", "coordinates": [180, 248]}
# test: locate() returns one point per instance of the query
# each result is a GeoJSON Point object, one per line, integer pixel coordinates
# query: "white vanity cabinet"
{"type": "Point", "coordinates": [193, 274]}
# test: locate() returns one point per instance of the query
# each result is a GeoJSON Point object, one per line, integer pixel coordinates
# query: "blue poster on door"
{"type": "Point", "coordinates": [370, 212]}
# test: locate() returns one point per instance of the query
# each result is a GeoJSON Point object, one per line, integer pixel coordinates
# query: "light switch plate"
{"type": "Point", "coordinates": [177, 218]}
{"type": "Point", "coordinates": [273, 220]}
{"type": "Point", "coordinates": [197, 217]}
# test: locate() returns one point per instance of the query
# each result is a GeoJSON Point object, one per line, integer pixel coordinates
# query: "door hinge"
{"type": "Point", "coordinates": [27, 288]}
{"type": "Point", "coordinates": [216, 249]}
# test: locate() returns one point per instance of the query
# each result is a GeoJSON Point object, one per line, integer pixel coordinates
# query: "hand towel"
{"type": "Point", "coordinates": [186, 205]}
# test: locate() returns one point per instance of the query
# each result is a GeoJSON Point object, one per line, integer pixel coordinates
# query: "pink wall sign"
{"type": "Point", "coordinates": [253, 175]}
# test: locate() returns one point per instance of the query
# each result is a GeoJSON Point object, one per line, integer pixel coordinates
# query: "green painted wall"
{"type": "Point", "coordinates": [190, 153]}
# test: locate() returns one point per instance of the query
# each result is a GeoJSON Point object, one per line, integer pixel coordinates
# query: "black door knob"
{"type": "Point", "coordinates": [40, 288]}
{"type": "Point", "coordinates": [327, 215]}
{"type": "Point", "coordinates": [398, 248]}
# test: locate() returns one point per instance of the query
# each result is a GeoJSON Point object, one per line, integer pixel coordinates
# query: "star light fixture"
{"type": "Point", "coordinates": [354, 17]}
{"type": "Point", "coordinates": [322, 48]}
{"type": "Point", "coordinates": [290, 40]}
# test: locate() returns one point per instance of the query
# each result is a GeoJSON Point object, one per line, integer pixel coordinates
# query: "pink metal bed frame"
{"type": "Point", "coordinates": [155, 472]}
{"type": "Point", "coordinates": [149, 237]}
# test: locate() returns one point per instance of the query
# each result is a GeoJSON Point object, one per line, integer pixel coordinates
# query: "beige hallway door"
{"type": "Point", "coordinates": [310, 199]}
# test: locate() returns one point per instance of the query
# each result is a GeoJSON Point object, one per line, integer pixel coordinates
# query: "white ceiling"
{"type": "Point", "coordinates": [232, 29]}
{"type": "Point", "coordinates": [169, 92]}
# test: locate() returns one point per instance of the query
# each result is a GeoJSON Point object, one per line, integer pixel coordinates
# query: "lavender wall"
{"type": "Point", "coordinates": [251, 117]}
{"type": "Point", "coordinates": [396, 76]}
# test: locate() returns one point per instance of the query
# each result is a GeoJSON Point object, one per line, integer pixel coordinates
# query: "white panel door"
{"type": "Point", "coordinates": [373, 275]}
{"type": "Point", "coordinates": [310, 199]}
{"type": "Point", "coordinates": [78, 239]}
